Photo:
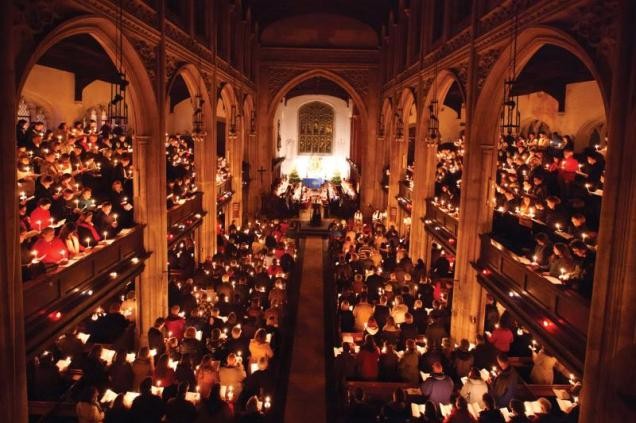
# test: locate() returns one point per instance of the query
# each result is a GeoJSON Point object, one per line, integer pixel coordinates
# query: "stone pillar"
{"type": "Point", "coordinates": [397, 164]}
{"type": "Point", "coordinates": [205, 157]}
{"type": "Point", "coordinates": [149, 159]}
{"type": "Point", "coordinates": [13, 403]}
{"type": "Point", "coordinates": [151, 210]}
{"type": "Point", "coordinates": [608, 379]}
{"type": "Point", "coordinates": [475, 215]}
{"type": "Point", "coordinates": [423, 188]}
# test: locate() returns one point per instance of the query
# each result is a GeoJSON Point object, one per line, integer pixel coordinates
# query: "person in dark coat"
{"type": "Point", "coordinates": [147, 407]}
{"type": "Point", "coordinates": [180, 410]}
{"type": "Point", "coordinates": [504, 386]}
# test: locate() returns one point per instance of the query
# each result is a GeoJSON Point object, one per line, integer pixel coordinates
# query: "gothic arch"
{"type": "Point", "coordinates": [445, 79]}
{"type": "Point", "coordinates": [144, 113]}
{"type": "Point", "coordinates": [529, 42]}
{"type": "Point", "coordinates": [196, 85]}
{"type": "Point", "coordinates": [334, 77]}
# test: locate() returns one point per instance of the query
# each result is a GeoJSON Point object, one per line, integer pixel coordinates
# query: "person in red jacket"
{"type": "Point", "coordinates": [501, 338]}
{"type": "Point", "coordinates": [41, 215]}
{"type": "Point", "coordinates": [367, 360]}
{"type": "Point", "coordinates": [175, 324]}
{"type": "Point", "coordinates": [460, 413]}
{"type": "Point", "coordinates": [49, 248]}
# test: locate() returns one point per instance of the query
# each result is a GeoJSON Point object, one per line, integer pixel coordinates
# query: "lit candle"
{"type": "Point", "coordinates": [88, 242]}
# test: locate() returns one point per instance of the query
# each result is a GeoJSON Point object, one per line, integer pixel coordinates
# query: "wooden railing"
{"type": "Point", "coordinates": [57, 299]}
{"type": "Point", "coordinates": [181, 212]}
{"type": "Point", "coordinates": [442, 216]}
{"type": "Point", "coordinates": [555, 313]}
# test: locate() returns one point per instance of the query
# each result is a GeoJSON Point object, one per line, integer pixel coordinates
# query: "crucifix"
{"type": "Point", "coordinates": [261, 170]}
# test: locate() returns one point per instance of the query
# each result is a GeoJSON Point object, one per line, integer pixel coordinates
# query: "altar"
{"type": "Point", "coordinates": [313, 183]}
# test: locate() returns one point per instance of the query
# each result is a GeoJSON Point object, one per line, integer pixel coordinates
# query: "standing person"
{"type": "Point", "coordinates": [367, 360]}
{"type": "Point", "coordinates": [475, 388]}
{"type": "Point", "coordinates": [147, 407]}
{"type": "Point", "coordinates": [180, 410]}
{"type": "Point", "coordinates": [490, 414]}
{"type": "Point", "coordinates": [438, 387]}
{"type": "Point", "coordinates": [543, 368]}
{"type": "Point", "coordinates": [504, 386]}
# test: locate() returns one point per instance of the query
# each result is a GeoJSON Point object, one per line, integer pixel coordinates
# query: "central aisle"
{"type": "Point", "coordinates": [306, 388]}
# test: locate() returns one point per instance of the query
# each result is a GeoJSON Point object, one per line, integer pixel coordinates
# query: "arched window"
{"type": "Point", "coordinates": [315, 128]}
{"type": "Point", "coordinates": [31, 112]}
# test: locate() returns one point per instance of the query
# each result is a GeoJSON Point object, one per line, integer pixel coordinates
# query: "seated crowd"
{"type": "Point", "coordinates": [214, 358]}
{"type": "Point", "coordinates": [75, 186]}
{"type": "Point", "coordinates": [393, 321]}
{"type": "Point", "coordinates": [289, 195]}
{"type": "Point", "coordinates": [180, 169]}
{"type": "Point", "coordinates": [448, 174]}
{"type": "Point", "coordinates": [548, 205]}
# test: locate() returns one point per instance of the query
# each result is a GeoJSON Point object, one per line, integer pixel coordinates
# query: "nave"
{"type": "Point", "coordinates": [290, 210]}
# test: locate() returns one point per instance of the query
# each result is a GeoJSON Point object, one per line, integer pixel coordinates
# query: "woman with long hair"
{"type": "Point", "coordinates": [70, 237]}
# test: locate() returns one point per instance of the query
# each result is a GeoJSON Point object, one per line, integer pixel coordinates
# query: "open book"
{"type": "Point", "coordinates": [446, 409]}
{"type": "Point", "coordinates": [337, 351]}
{"type": "Point", "coordinates": [532, 408]}
{"type": "Point", "coordinates": [129, 397]}
{"type": "Point", "coordinates": [474, 409]}
{"type": "Point", "coordinates": [565, 405]}
{"type": "Point", "coordinates": [108, 397]}
{"type": "Point", "coordinates": [193, 397]}
{"type": "Point", "coordinates": [62, 365]}
{"type": "Point", "coordinates": [107, 355]}
{"type": "Point", "coordinates": [506, 413]}
{"type": "Point", "coordinates": [83, 337]}
{"type": "Point", "coordinates": [417, 410]}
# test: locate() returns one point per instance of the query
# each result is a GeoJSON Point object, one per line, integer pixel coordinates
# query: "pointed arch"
{"type": "Point", "coordinates": [144, 113]}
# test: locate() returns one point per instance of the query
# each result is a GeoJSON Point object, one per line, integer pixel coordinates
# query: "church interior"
{"type": "Point", "coordinates": [318, 211]}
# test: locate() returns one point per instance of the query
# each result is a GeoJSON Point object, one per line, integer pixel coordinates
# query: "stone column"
{"type": "Point", "coordinates": [149, 159]}
{"type": "Point", "coordinates": [151, 210]}
{"type": "Point", "coordinates": [13, 403]}
{"type": "Point", "coordinates": [397, 164]}
{"type": "Point", "coordinates": [608, 379]}
{"type": "Point", "coordinates": [475, 215]}
{"type": "Point", "coordinates": [205, 157]}
{"type": "Point", "coordinates": [423, 188]}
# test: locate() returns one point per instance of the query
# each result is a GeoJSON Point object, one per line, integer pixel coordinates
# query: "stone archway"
{"type": "Point", "coordinates": [480, 162]}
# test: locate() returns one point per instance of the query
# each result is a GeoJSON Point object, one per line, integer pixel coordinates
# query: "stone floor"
{"type": "Point", "coordinates": [306, 389]}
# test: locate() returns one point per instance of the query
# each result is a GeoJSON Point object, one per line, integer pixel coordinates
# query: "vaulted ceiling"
{"type": "Point", "coordinates": [371, 12]}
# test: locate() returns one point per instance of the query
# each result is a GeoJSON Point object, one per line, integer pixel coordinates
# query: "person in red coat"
{"type": "Point", "coordinates": [460, 413]}
{"type": "Point", "coordinates": [175, 324]}
{"type": "Point", "coordinates": [50, 249]}
{"type": "Point", "coordinates": [41, 215]}
{"type": "Point", "coordinates": [367, 360]}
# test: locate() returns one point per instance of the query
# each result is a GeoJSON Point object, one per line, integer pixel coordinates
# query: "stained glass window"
{"type": "Point", "coordinates": [315, 128]}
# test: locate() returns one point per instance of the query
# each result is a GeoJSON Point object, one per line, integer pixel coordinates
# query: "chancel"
{"type": "Point", "coordinates": [296, 211]}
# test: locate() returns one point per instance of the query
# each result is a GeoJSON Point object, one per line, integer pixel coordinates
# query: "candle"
{"type": "Point", "coordinates": [88, 242]}
{"type": "Point", "coordinates": [39, 223]}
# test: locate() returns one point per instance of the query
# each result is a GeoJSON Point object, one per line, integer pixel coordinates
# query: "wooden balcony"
{"type": "Point", "coordinates": [556, 315]}
{"type": "Point", "coordinates": [224, 192]}
{"type": "Point", "coordinates": [185, 217]}
{"type": "Point", "coordinates": [190, 207]}
{"type": "Point", "coordinates": [59, 300]}
{"type": "Point", "coordinates": [441, 224]}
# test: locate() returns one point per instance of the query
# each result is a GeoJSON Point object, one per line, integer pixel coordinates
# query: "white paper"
{"type": "Point", "coordinates": [130, 357]}
{"type": "Point", "coordinates": [109, 396]}
{"type": "Point", "coordinates": [129, 397]}
{"type": "Point", "coordinates": [83, 337]}
{"type": "Point", "coordinates": [446, 409]}
{"type": "Point", "coordinates": [62, 365]}
{"type": "Point", "coordinates": [425, 375]}
{"type": "Point", "coordinates": [193, 397]}
{"type": "Point", "coordinates": [107, 355]}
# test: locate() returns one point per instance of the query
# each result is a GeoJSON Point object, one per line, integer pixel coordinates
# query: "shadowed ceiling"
{"type": "Point", "coordinates": [371, 12]}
